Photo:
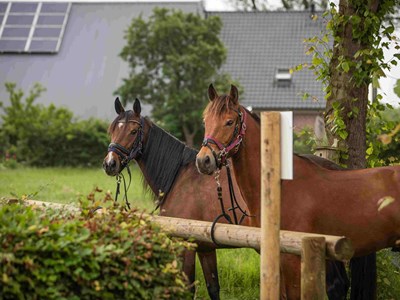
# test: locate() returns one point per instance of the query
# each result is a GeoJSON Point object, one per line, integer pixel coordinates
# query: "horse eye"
{"type": "Point", "coordinates": [229, 123]}
{"type": "Point", "coordinates": [133, 131]}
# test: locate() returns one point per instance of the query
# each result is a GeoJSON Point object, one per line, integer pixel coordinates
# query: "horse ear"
{"type": "Point", "coordinates": [212, 93]}
{"type": "Point", "coordinates": [234, 94]}
{"type": "Point", "coordinates": [137, 107]}
{"type": "Point", "coordinates": [118, 106]}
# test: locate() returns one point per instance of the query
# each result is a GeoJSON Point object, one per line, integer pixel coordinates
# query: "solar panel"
{"type": "Point", "coordinates": [32, 26]}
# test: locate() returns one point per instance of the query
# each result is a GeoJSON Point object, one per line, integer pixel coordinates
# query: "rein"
{"type": "Point", "coordinates": [126, 155]}
{"type": "Point", "coordinates": [221, 160]}
{"type": "Point", "coordinates": [234, 204]}
{"type": "Point", "coordinates": [234, 143]}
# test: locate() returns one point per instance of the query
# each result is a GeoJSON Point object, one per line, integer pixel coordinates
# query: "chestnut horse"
{"type": "Point", "coordinates": [363, 205]}
{"type": "Point", "coordinates": [169, 166]}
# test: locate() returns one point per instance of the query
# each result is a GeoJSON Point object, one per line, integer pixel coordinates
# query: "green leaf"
{"type": "Point", "coordinates": [397, 88]}
{"type": "Point", "coordinates": [317, 60]}
{"type": "Point", "coordinates": [345, 66]}
{"type": "Point", "coordinates": [375, 82]}
{"type": "Point", "coordinates": [343, 134]}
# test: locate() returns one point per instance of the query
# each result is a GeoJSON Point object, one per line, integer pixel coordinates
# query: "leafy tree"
{"type": "Point", "coordinates": [360, 30]}
{"type": "Point", "coordinates": [173, 57]}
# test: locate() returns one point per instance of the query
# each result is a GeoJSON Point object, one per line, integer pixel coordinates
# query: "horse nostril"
{"type": "Point", "coordinates": [110, 166]}
{"type": "Point", "coordinates": [207, 160]}
{"type": "Point", "coordinates": [113, 164]}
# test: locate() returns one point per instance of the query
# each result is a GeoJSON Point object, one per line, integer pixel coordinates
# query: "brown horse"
{"type": "Point", "coordinates": [363, 205]}
{"type": "Point", "coordinates": [168, 166]}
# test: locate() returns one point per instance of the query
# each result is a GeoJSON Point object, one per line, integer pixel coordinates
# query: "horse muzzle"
{"type": "Point", "coordinates": [111, 165]}
{"type": "Point", "coordinates": [205, 163]}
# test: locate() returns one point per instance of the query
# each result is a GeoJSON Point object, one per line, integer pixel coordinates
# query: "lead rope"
{"type": "Point", "coordinates": [234, 204]}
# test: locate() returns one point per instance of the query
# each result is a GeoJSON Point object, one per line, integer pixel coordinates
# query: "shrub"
{"type": "Point", "coordinates": [41, 135]}
{"type": "Point", "coordinates": [388, 268]}
{"type": "Point", "coordinates": [304, 141]}
{"type": "Point", "coordinates": [49, 255]}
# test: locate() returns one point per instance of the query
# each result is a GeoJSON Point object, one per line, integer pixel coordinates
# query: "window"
{"type": "Point", "coordinates": [283, 77]}
{"type": "Point", "coordinates": [32, 26]}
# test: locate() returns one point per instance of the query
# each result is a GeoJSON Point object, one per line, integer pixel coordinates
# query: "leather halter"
{"type": "Point", "coordinates": [126, 155]}
{"type": "Point", "coordinates": [234, 144]}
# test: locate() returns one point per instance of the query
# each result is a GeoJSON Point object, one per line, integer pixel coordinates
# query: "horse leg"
{"type": "Point", "coordinates": [208, 261]}
{"type": "Point", "coordinates": [337, 283]}
{"type": "Point", "coordinates": [290, 276]}
{"type": "Point", "coordinates": [363, 277]}
{"type": "Point", "coordinates": [189, 267]}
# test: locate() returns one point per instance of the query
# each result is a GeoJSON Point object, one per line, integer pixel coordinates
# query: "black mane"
{"type": "Point", "coordinates": [163, 156]}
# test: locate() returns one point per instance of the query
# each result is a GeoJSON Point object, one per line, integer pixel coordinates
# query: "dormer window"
{"type": "Point", "coordinates": [283, 77]}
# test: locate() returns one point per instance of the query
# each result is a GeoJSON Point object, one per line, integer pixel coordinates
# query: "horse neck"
{"type": "Point", "coordinates": [246, 165]}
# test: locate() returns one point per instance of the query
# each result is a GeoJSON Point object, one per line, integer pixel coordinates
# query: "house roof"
{"type": "Point", "coordinates": [260, 43]}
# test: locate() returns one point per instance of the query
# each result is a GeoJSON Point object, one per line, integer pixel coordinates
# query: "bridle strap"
{"type": "Point", "coordinates": [126, 155]}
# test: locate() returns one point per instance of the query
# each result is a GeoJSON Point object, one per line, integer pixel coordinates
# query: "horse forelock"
{"type": "Point", "coordinates": [124, 117]}
{"type": "Point", "coordinates": [219, 106]}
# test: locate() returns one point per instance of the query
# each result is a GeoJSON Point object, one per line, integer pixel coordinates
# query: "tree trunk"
{"type": "Point", "coordinates": [189, 136]}
{"type": "Point", "coordinates": [352, 98]}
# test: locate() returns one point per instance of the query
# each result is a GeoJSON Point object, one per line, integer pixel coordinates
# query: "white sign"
{"type": "Point", "coordinates": [287, 145]}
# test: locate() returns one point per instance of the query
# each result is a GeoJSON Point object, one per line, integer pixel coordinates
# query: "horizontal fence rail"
{"type": "Point", "coordinates": [337, 248]}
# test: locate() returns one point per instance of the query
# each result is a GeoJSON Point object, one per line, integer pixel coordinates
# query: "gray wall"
{"type": "Point", "coordinates": [86, 71]}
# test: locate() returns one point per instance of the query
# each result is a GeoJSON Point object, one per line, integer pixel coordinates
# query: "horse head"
{"type": "Point", "coordinates": [126, 134]}
{"type": "Point", "coordinates": [225, 126]}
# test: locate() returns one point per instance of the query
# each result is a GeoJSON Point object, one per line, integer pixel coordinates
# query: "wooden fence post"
{"type": "Point", "coordinates": [270, 205]}
{"type": "Point", "coordinates": [313, 268]}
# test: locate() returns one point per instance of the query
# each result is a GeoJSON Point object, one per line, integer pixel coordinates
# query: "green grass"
{"type": "Point", "coordinates": [239, 275]}
{"type": "Point", "coordinates": [67, 185]}
{"type": "Point", "coordinates": [238, 268]}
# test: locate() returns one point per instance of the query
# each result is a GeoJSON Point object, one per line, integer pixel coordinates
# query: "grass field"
{"type": "Point", "coordinates": [238, 268]}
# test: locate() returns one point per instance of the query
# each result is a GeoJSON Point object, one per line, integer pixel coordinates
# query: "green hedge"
{"type": "Point", "coordinates": [39, 135]}
{"type": "Point", "coordinates": [45, 255]}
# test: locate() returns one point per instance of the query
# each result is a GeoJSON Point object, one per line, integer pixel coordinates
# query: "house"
{"type": "Point", "coordinates": [262, 48]}
{"type": "Point", "coordinates": [72, 49]}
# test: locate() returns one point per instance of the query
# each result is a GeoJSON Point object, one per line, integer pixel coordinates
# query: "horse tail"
{"type": "Point", "coordinates": [363, 277]}
{"type": "Point", "coordinates": [337, 283]}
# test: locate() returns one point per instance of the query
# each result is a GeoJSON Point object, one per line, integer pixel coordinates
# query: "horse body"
{"type": "Point", "coordinates": [319, 199]}
{"type": "Point", "coordinates": [344, 203]}
{"type": "Point", "coordinates": [168, 166]}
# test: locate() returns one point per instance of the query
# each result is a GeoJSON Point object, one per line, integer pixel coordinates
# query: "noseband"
{"type": "Point", "coordinates": [234, 143]}
{"type": "Point", "coordinates": [126, 155]}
